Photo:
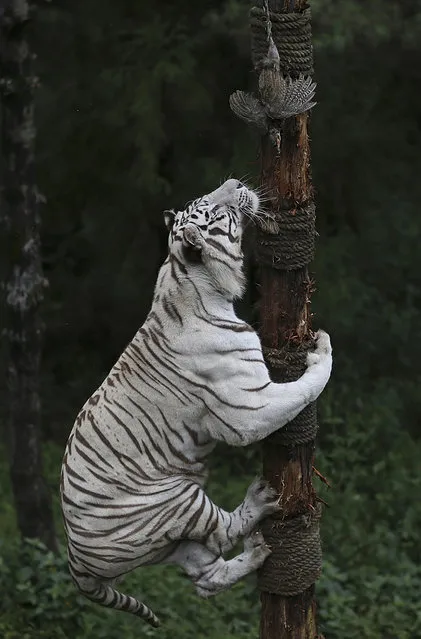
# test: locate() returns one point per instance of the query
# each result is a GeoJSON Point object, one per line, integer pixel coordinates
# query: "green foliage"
{"type": "Point", "coordinates": [39, 601]}
{"type": "Point", "coordinates": [370, 605]}
{"type": "Point", "coordinates": [371, 580]}
{"type": "Point", "coordinates": [36, 584]}
{"type": "Point", "coordinates": [338, 26]}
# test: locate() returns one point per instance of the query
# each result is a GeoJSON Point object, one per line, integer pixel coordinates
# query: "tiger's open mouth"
{"type": "Point", "coordinates": [192, 254]}
{"type": "Point", "coordinates": [192, 244]}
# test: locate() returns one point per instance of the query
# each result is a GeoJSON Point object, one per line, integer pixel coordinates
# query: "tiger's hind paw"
{"type": "Point", "coordinates": [261, 498]}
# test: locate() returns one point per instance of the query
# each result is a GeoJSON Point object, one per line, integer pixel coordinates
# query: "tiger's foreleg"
{"type": "Point", "coordinates": [210, 572]}
{"type": "Point", "coordinates": [270, 405]}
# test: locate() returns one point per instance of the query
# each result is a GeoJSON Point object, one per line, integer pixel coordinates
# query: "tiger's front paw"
{"type": "Point", "coordinates": [323, 350]}
{"type": "Point", "coordinates": [323, 345]}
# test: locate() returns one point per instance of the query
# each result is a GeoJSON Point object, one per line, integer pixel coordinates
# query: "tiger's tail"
{"type": "Point", "coordinates": [106, 595]}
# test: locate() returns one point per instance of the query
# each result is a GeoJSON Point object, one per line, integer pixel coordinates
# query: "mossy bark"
{"type": "Point", "coordinates": [22, 282]}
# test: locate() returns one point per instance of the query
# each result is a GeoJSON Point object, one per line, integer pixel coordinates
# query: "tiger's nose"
{"type": "Point", "coordinates": [232, 184]}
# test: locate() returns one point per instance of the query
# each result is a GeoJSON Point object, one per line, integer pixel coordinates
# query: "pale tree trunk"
{"type": "Point", "coordinates": [22, 280]}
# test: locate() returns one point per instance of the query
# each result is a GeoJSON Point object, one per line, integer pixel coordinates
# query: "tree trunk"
{"type": "Point", "coordinates": [285, 314]}
{"type": "Point", "coordinates": [22, 278]}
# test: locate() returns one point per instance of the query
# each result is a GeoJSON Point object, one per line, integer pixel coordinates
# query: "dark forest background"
{"type": "Point", "coordinates": [132, 118]}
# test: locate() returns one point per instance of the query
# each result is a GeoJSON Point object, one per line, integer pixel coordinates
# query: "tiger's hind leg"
{"type": "Point", "coordinates": [211, 573]}
{"type": "Point", "coordinates": [217, 529]}
{"type": "Point", "coordinates": [227, 528]}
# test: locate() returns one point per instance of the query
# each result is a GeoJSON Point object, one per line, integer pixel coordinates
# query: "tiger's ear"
{"type": "Point", "coordinates": [169, 217]}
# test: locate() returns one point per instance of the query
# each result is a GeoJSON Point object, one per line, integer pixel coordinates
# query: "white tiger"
{"type": "Point", "coordinates": [134, 467]}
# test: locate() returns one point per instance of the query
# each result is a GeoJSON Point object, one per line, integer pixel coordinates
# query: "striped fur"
{"type": "Point", "coordinates": [134, 466]}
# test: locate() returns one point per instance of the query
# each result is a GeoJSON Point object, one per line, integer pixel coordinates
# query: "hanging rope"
{"type": "Point", "coordinates": [291, 33]}
{"type": "Point", "coordinates": [282, 54]}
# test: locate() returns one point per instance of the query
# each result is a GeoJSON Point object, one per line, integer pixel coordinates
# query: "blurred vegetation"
{"type": "Point", "coordinates": [133, 118]}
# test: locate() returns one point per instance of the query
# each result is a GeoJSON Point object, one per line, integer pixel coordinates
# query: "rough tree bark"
{"type": "Point", "coordinates": [285, 313]}
{"type": "Point", "coordinates": [22, 280]}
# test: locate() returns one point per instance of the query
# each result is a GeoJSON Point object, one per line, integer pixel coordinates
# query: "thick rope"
{"type": "Point", "coordinates": [291, 33]}
{"type": "Point", "coordinates": [293, 246]}
{"type": "Point", "coordinates": [296, 560]}
{"type": "Point", "coordinates": [288, 364]}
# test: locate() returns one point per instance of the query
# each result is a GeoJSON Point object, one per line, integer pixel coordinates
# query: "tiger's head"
{"type": "Point", "coordinates": [207, 235]}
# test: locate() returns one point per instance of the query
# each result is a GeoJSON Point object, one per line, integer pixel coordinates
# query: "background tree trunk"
{"type": "Point", "coordinates": [285, 314]}
{"type": "Point", "coordinates": [22, 278]}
